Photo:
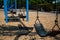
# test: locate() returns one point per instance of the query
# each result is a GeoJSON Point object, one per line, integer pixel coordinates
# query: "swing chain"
{"type": "Point", "coordinates": [37, 14]}
{"type": "Point", "coordinates": [56, 21]}
{"type": "Point", "coordinates": [37, 11]}
{"type": "Point", "coordinates": [37, 17]}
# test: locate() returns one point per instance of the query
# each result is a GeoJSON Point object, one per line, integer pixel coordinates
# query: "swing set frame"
{"type": "Point", "coordinates": [6, 11]}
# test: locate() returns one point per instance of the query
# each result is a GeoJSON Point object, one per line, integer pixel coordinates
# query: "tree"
{"type": "Point", "coordinates": [46, 4]}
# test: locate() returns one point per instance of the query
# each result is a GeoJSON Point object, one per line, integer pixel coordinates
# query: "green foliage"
{"type": "Point", "coordinates": [47, 4]}
{"type": "Point", "coordinates": [1, 0]}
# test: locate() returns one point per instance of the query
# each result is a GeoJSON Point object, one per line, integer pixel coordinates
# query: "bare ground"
{"type": "Point", "coordinates": [47, 19]}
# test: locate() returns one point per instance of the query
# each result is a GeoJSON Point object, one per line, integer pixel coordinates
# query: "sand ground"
{"type": "Point", "coordinates": [46, 18]}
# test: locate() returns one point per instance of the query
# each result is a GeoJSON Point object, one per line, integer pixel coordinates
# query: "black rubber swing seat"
{"type": "Point", "coordinates": [13, 19]}
{"type": "Point", "coordinates": [21, 16]}
{"type": "Point", "coordinates": [53, 32]}
{"type": "Point", "coordinates": [43, 33]}
{"type": "Point", "coordinates": [40, 30]}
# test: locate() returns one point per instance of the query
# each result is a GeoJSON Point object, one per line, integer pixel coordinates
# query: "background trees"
{"type": "Point", "coordinates": [47, 5]}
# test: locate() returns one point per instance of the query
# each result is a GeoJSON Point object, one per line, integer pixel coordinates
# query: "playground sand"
{"type": "Point", "coordinates": [46, 18]}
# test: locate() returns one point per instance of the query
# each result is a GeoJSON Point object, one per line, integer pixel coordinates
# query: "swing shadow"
{"type": "Point", "coordinates": [20, 29]}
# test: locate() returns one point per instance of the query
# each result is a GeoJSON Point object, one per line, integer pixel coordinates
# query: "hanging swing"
{"type": "Point", "coordinates": [54, 32]}
{"type": "Point", "coordinates": [40, 29]}
{"type": "Point", "coordinates": [20, 15]}
{"type": "Point", "coordinates": [12, 18]}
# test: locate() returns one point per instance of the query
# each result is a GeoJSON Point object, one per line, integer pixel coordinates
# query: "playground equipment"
{"type": "Point", "coordinates": [40, 29]}
{"type": "Point", "coordinates": [22, 15]}
{"type": "Point", "coordinates": [21, 29]}
{"type": "Point", "coordinates": [6, 9]}
{"type": "Point", "coordinates": [15, 18]}
{"type": "Point", "coordinates": [24, 30]}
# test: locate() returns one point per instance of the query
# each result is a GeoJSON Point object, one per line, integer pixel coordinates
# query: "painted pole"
{"type": "Point", "coordinates": [5, 11]}
{"type": "Point", "coordinates": [27, 8]}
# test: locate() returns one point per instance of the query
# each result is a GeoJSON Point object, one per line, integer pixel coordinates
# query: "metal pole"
{"type": "Point", "coordinates": [27, 8]}
{"type": "Point", "coordinates": [5, 10]}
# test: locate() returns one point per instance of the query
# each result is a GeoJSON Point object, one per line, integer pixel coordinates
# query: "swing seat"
{"type": "Point", "coordinates": [54, 32]}
{"type": "Point", "coordinates": [21, 16]}
{"type": "Point", "coordinates": [40, 30]}
{"type": "Point", "coordinates": [13, 19]}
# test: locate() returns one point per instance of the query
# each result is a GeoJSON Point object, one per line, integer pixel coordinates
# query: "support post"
{"type": "Point", "coordinates": [27, 8]}
{"type": "Point", "coordinates": [5, 10]}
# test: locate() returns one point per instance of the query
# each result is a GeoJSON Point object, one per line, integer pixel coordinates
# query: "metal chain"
{"type": "Point", "coordinates": [37, 17]}
{"type": "Point", "coordinates": [37, 10]}
{"type": "Point", "coordinates": [56, 20]}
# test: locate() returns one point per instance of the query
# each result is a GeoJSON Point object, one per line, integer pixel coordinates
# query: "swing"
{"type": "Point", "coordinates": [39, 28]}
{"type": "Point", "coordinates": [21, 16]}
{"type": "Point", "coordinates": [13, 19]}
{"type": "Point", "coordinates": [41, 31]}
{"type": "Point", "coordinates": [54, 32]}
